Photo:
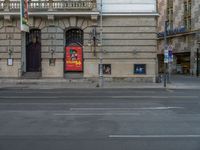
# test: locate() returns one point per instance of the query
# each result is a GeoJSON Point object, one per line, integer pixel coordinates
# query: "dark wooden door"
{"type": "Point", "coordinates": [33, 51]}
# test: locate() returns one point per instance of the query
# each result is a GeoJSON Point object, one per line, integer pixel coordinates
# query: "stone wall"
{"type": "Point", "coordinates": [178, 12]}
{"type": "Point", "coordinates": [10, 47]}
{"type": "Point", "coordinates": [185, 42]}
{"type": "Point", "coordinates": [127, 40]}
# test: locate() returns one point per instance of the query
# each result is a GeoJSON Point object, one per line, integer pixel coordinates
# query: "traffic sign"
{"type": "Point", "coordinates": [170, 51]}
{"type": "Point", "coordinates": [166, 56]}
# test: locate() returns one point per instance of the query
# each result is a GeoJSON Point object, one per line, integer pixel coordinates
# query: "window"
{"type": "Point", "coordinates": [170, 13]}
{"type": "Point", "coordinates": [187, 14]}
{"type": "Point", "coordinates": [74, 36]}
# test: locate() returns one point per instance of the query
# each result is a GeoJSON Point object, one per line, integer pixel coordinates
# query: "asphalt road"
{"type": "Point", "coordinates": [99, 119]}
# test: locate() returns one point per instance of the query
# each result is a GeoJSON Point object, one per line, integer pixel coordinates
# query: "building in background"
{"type": "Point", "coordinates": [64, 39]}
{"type": "Point", "coordinates": [182, 33]}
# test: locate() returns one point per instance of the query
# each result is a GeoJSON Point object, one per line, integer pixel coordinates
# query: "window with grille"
{"type": "Point", "coordinates": [170, 13]}
{"type": "Point", "coordinates": [74, 36]}
{"type": "Point", "coordinates": [187, 14]}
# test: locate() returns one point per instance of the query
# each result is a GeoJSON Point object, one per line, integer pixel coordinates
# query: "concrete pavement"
{"type": "Point", "coordinates": [177, 82]}
{"type": "Point", "coordinates": [99, 119]}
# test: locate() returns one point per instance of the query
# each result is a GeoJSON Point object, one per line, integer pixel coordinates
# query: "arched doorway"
{"type": "Point", "coordinates": [74, 53]}
{"type": "Point", "coordinates": [33, 51]}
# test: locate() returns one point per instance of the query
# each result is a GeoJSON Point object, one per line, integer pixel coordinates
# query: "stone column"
{"type": "Point", "coordinates": [94, 5]}
{"type": "Point", "coordinates": [23, 52]}
{"type": "Point", "coordinates": [50, 5]}
{"type": "Point", "coordinates": [6, 5]}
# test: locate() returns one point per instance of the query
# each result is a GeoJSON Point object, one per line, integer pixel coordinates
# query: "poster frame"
{"type": "Point", "coordinates": [65, 59]}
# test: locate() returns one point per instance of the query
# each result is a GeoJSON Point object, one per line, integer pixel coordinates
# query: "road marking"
{"type": "Point", "coordinates": [145, 108]}
{"type": "Point", "coordinates": [51, 97]}
{"type": "Point", "coordinates": [84, 96]}
{"type": "Point", "coordinates": [169, 90]}
{"type": "Point", "coordinates": [65, 103]}
{"type": "Point", "coordinates": [27, 97]}
{"type": "Point", "coordinates": [185, 96]}
{"type": "Point", "coordinates": [154, 136]}
{"type": "Point", "coordinates": [96, 114]}
{"type": "Point", "coordinates": [60, 92]}
{"type": "Point", "coordinates": [135, 96]}
{"type": "Point", "coordinates": [155, 97]}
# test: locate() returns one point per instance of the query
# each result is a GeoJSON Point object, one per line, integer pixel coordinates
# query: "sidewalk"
{"type": "Point", "coordinates": [184, 82]}
{"type": "Point", "coordinates": [177, 82]}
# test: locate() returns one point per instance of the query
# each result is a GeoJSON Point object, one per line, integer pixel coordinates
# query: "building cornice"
{"type": "Point", "coordinates": [51, 13]}
{"type": "Point", "coordinates": [131, 14]}
{"type": "Point", "coordinates": [59, 13]}
{"type": "Point", "coordinates": [180, 34]}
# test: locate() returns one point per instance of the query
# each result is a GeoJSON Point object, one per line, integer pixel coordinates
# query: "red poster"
{"type": "Point", "coordinates": [73, 58]}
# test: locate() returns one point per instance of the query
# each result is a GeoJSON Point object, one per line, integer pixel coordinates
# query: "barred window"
{"type": "Point", "coordinates": [74, 36]}
{"type": "Point", "coordinates": [170, 13]}
{"type": "Point", "coordinates": [187, 14]}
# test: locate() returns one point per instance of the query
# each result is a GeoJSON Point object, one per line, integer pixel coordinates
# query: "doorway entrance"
{"type": "Point", "coordinates": [33, 51]}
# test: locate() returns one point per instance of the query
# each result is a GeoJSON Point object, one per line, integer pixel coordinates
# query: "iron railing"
{"type": "Point", "coordinates": [46, 5]}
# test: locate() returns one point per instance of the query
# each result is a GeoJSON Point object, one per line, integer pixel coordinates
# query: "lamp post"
{"type": "Point", "coordinates": [101, 49]}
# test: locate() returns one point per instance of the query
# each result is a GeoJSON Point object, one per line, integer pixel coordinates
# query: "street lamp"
{"type": "Point", "coordinates": [93, 41]}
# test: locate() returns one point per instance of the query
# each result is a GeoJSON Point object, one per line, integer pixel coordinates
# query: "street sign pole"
{"type": "Point", "coordinates": [170, 51]}
{"type": "Point", "coordinates": [166, 54]}
{"type": "Point", "coordinates": [197, 62]}
{"type": "Point", "coordinates": [101, 80]}
{"type": "Point", "coordinates": [24, 26]}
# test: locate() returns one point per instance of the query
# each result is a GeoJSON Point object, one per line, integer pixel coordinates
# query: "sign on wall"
{"type": "Point", "coordinates": [73, 58]}
{"type": "Point", "coordinates": [106, 69]}
{"type": "Point", "coordinates": [170, 50]}
{"type": "Point", "coordinates": [24, 15]}
{"type": "Point", "coordinates": [166, 56]}
{"type": "Point", "coordinates": [139, 68]}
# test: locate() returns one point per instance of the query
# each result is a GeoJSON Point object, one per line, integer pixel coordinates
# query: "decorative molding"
{"type": "Point", "coordinates": [57, 13]}
{"type": "Point", "coordinates": [50, 17]}
{"type": "Point", "coordinates": [7, 17]}
{"type": "Point", "coordinates": [73, 21]}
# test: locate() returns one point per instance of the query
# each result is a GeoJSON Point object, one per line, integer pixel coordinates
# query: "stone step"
{"type": "Point", "coordinates": [31, 75]}
{"type": "Point", "coordinates": [73, 75]}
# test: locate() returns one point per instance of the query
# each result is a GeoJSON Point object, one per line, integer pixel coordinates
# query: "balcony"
{"type": "Point", "coordinates": [55, 6]}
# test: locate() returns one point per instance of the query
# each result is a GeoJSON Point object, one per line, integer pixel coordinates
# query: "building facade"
{"type": "Point", "coordinates": [183, 29]}
{"type": "Point", "coordinates": [64, 39]}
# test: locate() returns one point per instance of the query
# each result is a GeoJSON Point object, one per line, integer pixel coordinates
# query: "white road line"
{"type": "Point", "coordinates": [154, 136]}
{"type": "Point", "coordinates": [27, 97]}
{"type": "Point", "coordinates": [144, 108]}
{"type": "Point", "coordinates": [169, 90]}
{"type": "Point", "coordinates": [51, 97]}
{"type": "Point", "coordinates": [83, 96]}
{"type": "Point", "coordinates": [61, 103]}
{"type": "Point", "coordinates": [60, 92]}
{"type": "Point", "coordinates": [96, 114]}
{"type": "Point", "coordinates": [116, 97]}
{"type": "Point", "coordinates": [185, 96]}
{"type": "Point", "coordinates": [155, 97]}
